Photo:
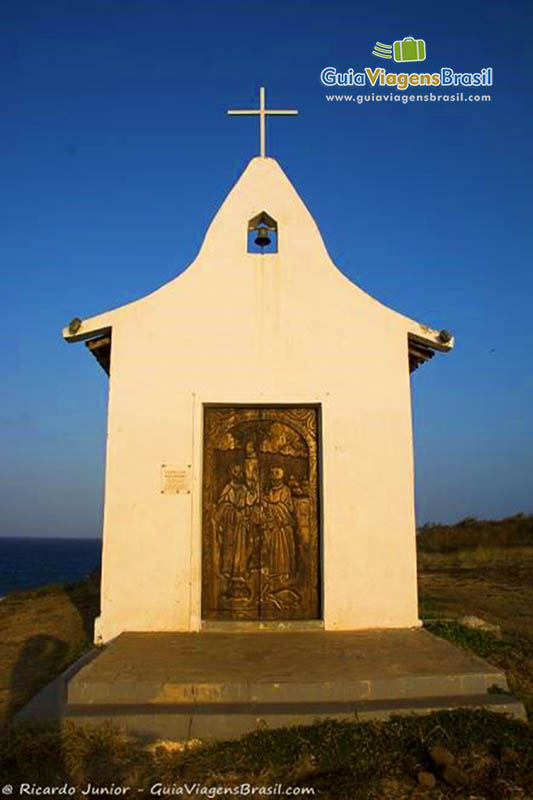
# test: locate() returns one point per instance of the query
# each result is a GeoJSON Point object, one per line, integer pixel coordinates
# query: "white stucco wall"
{"type": "Point", "coordinates": [258, 329]}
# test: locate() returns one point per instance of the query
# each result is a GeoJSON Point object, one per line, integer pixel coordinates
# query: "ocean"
{"type": "Point", "coordinates": [30, 562]}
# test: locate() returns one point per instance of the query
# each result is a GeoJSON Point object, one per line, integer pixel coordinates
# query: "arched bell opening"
{"type": "Point", "coordinates": [262, 234]}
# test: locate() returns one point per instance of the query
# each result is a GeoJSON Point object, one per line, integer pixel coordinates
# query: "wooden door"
{"type": "Point", "coordinates": [260, 514]}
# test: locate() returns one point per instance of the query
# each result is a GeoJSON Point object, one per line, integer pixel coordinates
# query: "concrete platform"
{"type": "Point", "coordinates": [220, 685]}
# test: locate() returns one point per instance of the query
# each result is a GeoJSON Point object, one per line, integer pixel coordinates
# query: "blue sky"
{"type": "Point", "coordinates": [116, 152]}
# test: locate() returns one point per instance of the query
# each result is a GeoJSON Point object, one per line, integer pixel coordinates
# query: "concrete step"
{"type": "Point", "coordinates": [165, 692]}
{"type": "Point", "coordinates": [218, 721]}
{"type": "Point", "coordinates": [280, 667]}
{"type": "Point", "coordinates": [221, 685]}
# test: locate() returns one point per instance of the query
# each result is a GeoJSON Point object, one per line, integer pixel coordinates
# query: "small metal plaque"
{"type": "Point", "coordinates": [175, 479]}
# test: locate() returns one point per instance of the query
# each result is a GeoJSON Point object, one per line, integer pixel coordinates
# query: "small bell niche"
{"type": "Point", "coordinates": [262, 234]}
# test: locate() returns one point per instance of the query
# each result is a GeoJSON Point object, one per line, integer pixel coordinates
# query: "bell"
{"type": "Point", "coordinates": [262, 238]}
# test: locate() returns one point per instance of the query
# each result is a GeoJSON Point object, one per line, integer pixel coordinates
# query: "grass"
{"type": "Point", "coordinates": [488, 581]}
{"type": "Point", "coordinates": [472, 533]}
{"type": "Point", "coordinates": [43, 631]}
{"type": "Point", "coordinates": [338, 760]}
{"type": "Point", "coordinates": [478, 556]}
{"type": "Point", "coordinates": [512, 652]}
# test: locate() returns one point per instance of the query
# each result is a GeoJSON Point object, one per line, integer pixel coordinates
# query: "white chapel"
{"type": "Point", "coordinates": [259, 464]}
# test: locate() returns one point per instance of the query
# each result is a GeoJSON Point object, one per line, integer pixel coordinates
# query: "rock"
{"type": "Point", "coordinates": [509, 756]}
{"type": "Point", "coordinates": [476, 623]}
{"type": "Point", "coordinates": [441, 757]}
{"type": "Point", "coordinates": [164, 747]}
{"type": "Point", "coordinates": [445, 765]}
{"type": "Point", "coordinates": [426, 779]}
{"type": "Point", "coordinates": [454, 776]}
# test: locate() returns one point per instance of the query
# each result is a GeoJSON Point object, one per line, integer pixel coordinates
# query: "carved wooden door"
{"type": "Point", "coordinates": [260, 514]}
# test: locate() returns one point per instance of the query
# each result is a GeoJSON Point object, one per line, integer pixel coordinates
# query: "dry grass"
{"type": "Point", "coordinates": [469, 533]}
{"type": "Point", "coordinates": [494, 583]}
{"type": "Point", "coordinates": [338, 760]}
{"type": "Point", "coordinates": [43, 632]}
{"type": "Point", "coordinates": [477, 556]}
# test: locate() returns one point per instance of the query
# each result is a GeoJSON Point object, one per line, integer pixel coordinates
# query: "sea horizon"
{"type": "Point", "coordinates": [70, 538]}
{"type": "Point", "coordinates": [27, 562]}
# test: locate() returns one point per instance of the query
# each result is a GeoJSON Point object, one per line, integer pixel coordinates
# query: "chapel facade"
{"type": "Point", "coordinates": [259, 464]}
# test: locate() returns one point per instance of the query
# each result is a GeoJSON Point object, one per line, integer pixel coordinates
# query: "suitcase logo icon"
{"type": "Point", "coordinates": [409, 49]}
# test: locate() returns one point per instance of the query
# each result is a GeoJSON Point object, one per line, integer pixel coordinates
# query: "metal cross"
{"type": "Point", "coordinates": [262, 111]}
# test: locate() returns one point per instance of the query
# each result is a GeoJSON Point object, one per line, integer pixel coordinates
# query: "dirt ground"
{"type": "Point", "coordinates": [496, 585]}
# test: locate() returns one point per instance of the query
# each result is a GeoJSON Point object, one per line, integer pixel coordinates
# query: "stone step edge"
{"type": "Point", "coordinates": [494, 701]}
{"type": "Point", "coordinates": [87, 692]}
